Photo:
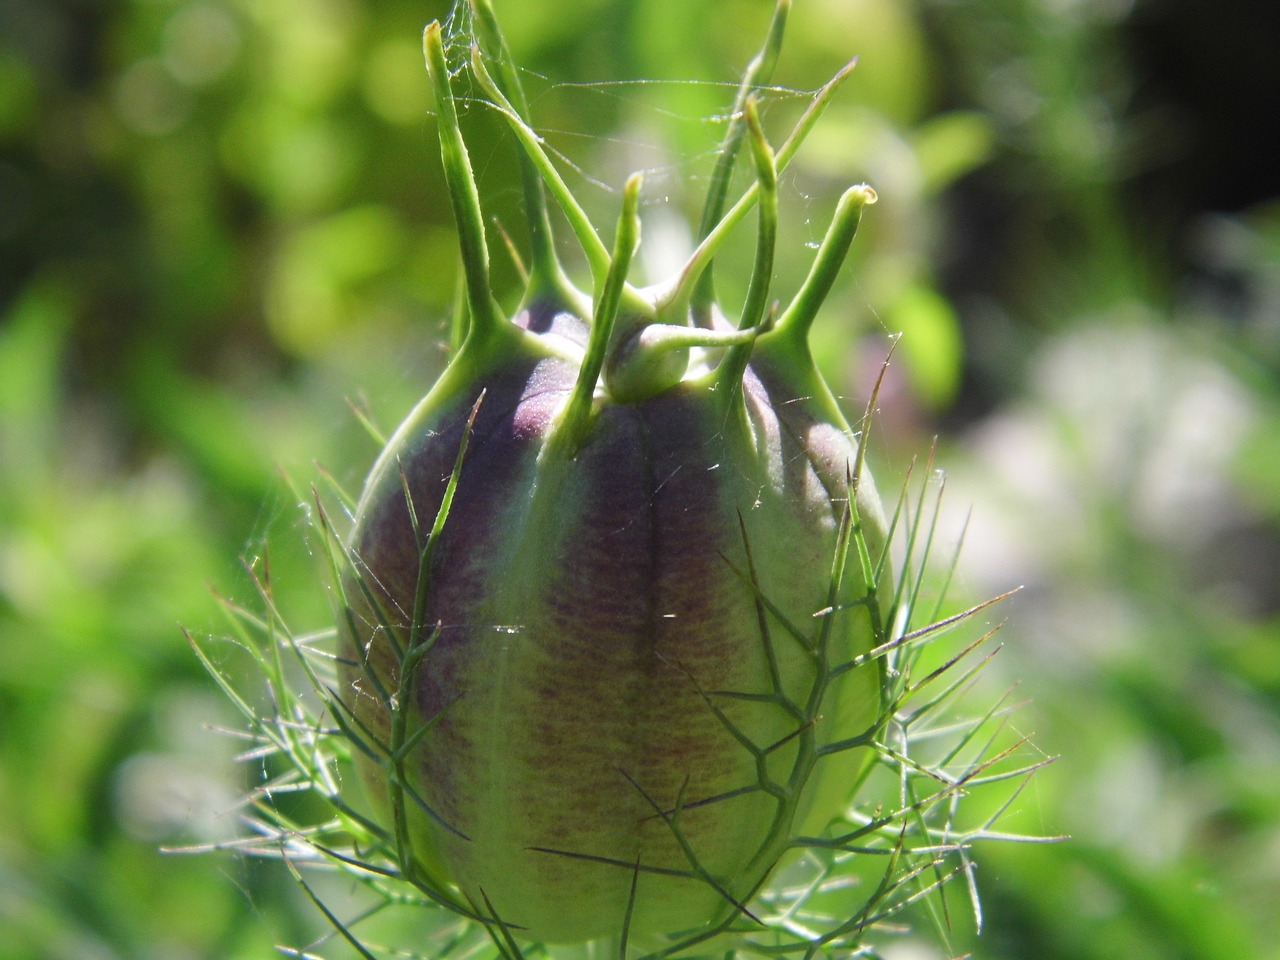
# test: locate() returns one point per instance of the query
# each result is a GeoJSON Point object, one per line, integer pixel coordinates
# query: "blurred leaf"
{"type": "Point", "coordinates": [17, 94]}
{"type": "Point", "coordinates": [1258, 465]}
{"type": "Point", "coordinates": [951, 145]}
{"type": "Point", "coordinates": [314, 290]}
{"type": "Point", "coordinates": [32, 340]}
{"type": "Point", "coordinates": [931, 347]}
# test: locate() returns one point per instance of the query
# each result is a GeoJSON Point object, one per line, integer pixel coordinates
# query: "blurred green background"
{"type": "Point", "coordinates": [222, 226]}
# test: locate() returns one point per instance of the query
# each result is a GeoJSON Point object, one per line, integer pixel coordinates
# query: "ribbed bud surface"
{"type": "Point", "coordinates": [591, 608]}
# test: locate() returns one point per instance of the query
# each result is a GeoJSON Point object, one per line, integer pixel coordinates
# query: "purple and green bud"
{"type": "Point", "coordinates": [609, 621]}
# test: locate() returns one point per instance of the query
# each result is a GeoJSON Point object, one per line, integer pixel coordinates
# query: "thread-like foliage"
{"type": "Point", "coordinates": [903, 845]}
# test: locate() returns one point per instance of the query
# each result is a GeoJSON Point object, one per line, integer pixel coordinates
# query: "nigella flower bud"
{"type": "Point", "coordinates": [606, 632]}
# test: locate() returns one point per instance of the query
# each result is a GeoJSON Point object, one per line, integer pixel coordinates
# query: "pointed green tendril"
{"type": "Point", "coordinates": [486, 318]}
{"type": "Point", "coordinates": [734, 364]}
{"type": "Point", "coordinates": [758, 73]}
{"type": "Point", "coordinates": [577, 413]}
{"type": "Point", "coordinates": [798, 317]}
{"type": "Point", "coordinates": [546, 273]}
{"type": "Point", "coordinates": [677, 294]}
{"type": "Point", "coordinates": [767, 235]}
{"type": "Point", "coordinates": [593, 247]}
{"type": "Point", "coordinates": [654, 357]}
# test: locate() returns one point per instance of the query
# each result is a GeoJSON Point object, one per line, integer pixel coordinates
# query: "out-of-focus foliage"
{"type": "Point", "coordinates": [221, 221]}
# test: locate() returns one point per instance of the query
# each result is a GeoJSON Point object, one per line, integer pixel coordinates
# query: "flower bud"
{"type": "Point", "coordinates": [607, 634]}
